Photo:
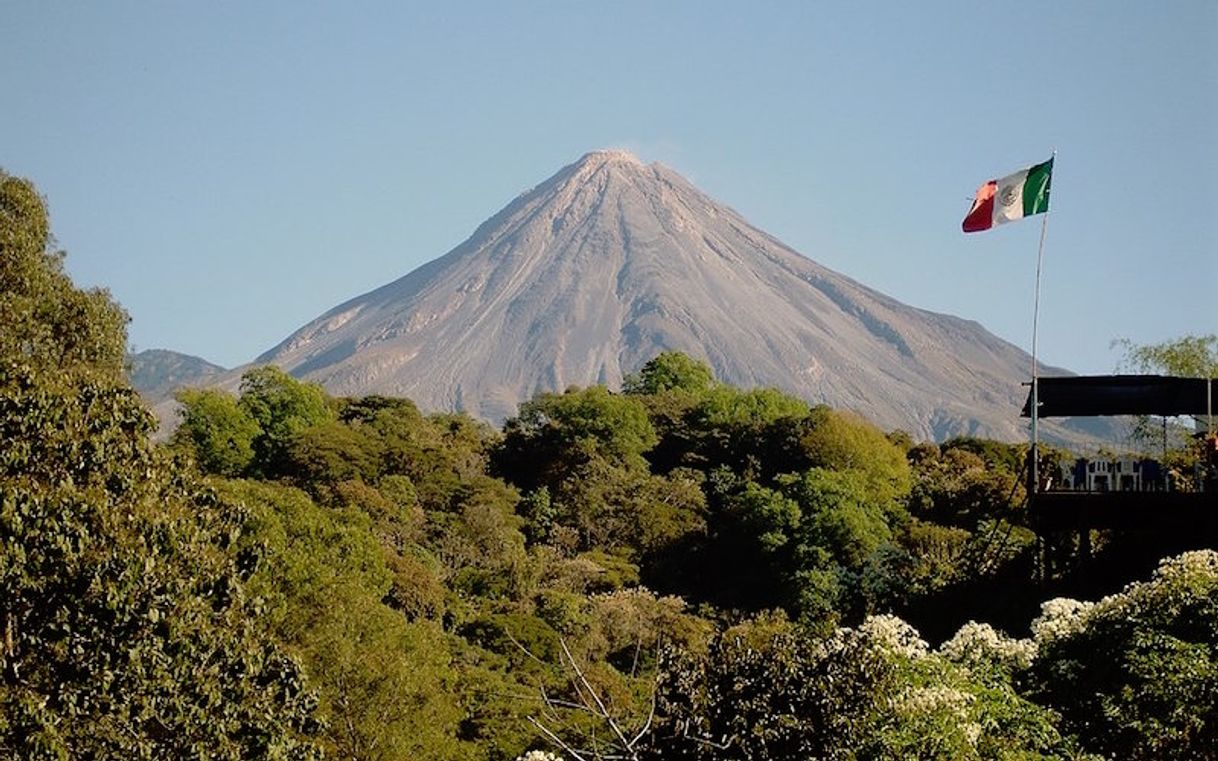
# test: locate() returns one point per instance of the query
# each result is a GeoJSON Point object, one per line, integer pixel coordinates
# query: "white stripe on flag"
{"type": "Point", "coordinates": [1008, 201]}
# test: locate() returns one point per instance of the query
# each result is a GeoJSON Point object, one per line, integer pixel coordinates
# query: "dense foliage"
{"type": "Point", "coordinates": [126, 628]}
{"type": "Point", "coordinates": [680, 570]}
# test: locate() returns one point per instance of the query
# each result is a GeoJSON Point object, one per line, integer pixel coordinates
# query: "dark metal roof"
{"type": "Point", "coordinates": [1101, 395]}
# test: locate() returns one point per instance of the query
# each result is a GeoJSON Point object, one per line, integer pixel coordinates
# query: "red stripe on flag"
{"type": "Point", "coordinates": [981, 216]}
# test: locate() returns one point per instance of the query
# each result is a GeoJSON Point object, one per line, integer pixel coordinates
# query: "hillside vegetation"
{"type": "Point", "coordinates": [679, 570]}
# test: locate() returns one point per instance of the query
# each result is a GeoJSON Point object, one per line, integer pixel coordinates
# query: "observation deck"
{"type": "Point", "coordinates": [1128, 493]}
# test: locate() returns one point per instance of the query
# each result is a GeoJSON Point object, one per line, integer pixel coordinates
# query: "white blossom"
{"type": "Point", "coordinates": [979, 644]}
{"type": "Point", "coordinates": [1188, 565]}
{"type": "Point", "coordinates": [932, 699]}
{"type": "Point", "coordinates": [894, 635]}
{"type": "Point", "coordinates": [538, 755]}
{"type": "Point", "coordinates": [1060, 617]}
{"type": "Point", "coordinates": [941, 705]}
{"type": "Point", "coordinates": [972, 732]}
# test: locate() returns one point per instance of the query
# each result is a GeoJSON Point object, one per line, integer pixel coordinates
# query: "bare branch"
{"type": "Point", "coordinates": [651, 712]}
{"type": "Point", "coordinates": [604, 712]}
{"type": "Point", "coordinates": [556, 740]}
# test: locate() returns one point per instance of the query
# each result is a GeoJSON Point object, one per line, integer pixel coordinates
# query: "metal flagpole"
{"type": "Point", "coordinates": [1040, 255]}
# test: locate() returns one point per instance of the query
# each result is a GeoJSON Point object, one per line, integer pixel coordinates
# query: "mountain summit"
{"type": "Point", "coordinates": [585, 277]}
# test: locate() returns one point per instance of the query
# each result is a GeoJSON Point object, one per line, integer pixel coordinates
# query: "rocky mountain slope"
{"type": "Point", "coordinates": [155, 373]}
{"type": "Point", "coordinates": [585, 277]}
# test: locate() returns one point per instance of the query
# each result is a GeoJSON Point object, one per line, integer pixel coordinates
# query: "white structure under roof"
{"type": "Point", "coordinates": [1123, 473]}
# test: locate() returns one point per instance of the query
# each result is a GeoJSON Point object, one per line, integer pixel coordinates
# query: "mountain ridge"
{"type": "Point", "coordinates": [157, 372]}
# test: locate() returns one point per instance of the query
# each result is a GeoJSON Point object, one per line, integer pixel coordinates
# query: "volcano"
{"type": "Point", "coordinates": [585, 277]}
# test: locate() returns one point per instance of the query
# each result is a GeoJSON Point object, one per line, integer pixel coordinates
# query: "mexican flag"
{"type": "Point", "coordinates": [1013, 197]}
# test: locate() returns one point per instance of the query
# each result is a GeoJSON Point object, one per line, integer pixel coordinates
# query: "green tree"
{"type": "Point", "coordinates": [322, 456]}
{"type": "Point", "coordinates": [384, 683]}
{"type": "Point", "coordinates": [752, 544]}
{"type": "Point", "coordinates": [788, 697]}
{"type": "Point", "coordinates": [959, 488]}
{"type": "Point", "coordinates": [1136, 675]}
{"type": "Point", "coordinates": [479, 542]}
{"type": "Point", "coordinates": [997, 455]}
{"type": "Point", "coordinates": [767, 690]}
{"type": "Point", "coordinates": [389, 438]}
{"type": "Point", "coordinates": [217, 430]}
{"type": "Point", "coordinates": [125, 628]}
{"type": "Point", "coordinates": [282, 407]}
{"type": "Point", "coordinates": [48, 322]}
{"type": "Point", "coordinates": [585, 447]}
{"type": "Point", "coordinates": [839, 514]}
{"type": "Point", "coordinates": [555, 434]}
{"type": "Point", "coordinates": [669, 371]}
{"type": "Point", "coordinates": [753, 432]}
{"type": "Point", "coordinates": [1188, 356]}
{"type": "Point", "coordinates": [841, 535]}
{"type": "Point", "coordinates": [836, 440]}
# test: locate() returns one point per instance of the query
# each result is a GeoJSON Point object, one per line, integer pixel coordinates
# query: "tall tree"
{"type": "Point", "coordinates": [383, 682]}
{"type": "Point", "coordinates": [1188, 356]}
{"type": "Point", "coordinates": [217, 430]}
{"type": "Point", "coordinates": [283, 407]}
{"type": "Point", "coordinates": [668, 371]}
{"type": "Point", "coordinates": [47, 321]}
{"type": "Point", "coordinates": [1136, 674]}
{"type": "Point", "coordinates": [125, 631]}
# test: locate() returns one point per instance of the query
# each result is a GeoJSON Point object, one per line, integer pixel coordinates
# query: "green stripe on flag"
{"type": "Point", "coordinates": [1036, 189]}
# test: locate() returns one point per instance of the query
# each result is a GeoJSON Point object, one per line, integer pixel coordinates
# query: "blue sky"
{"type": "Point", "coordinates": [231, 170]}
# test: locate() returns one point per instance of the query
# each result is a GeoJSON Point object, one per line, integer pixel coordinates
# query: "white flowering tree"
{"type": "Point", "coordinates": [877, 691]}
{"type": "Point", "coordinates": [959, 702]}
{"type": "Point", "coordinates": [1135, 676]}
